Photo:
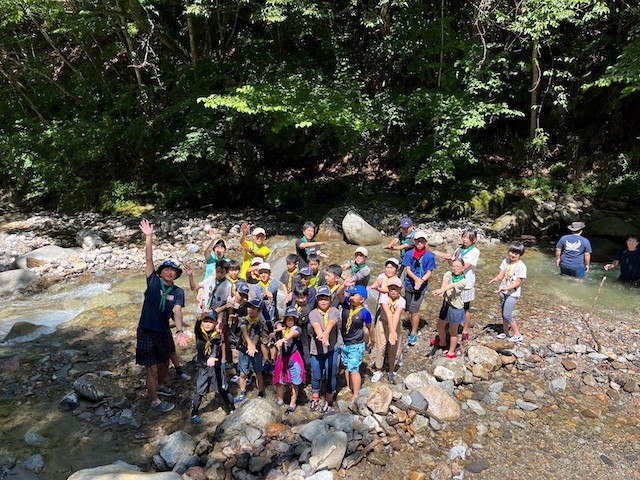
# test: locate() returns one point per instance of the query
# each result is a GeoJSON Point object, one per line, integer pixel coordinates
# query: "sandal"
{"type": "Point", "coordinates": [290, 409]}
{"type": "Point", "coordinates": [465, 337]}
{"type": "Point", "coordinates": [451, 355]}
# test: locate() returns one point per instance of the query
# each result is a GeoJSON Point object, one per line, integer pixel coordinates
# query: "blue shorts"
{"type": "Point", "coordinates": [248, 364]}
{"type": "Point", "coordinates": [455, 316]}
{"type": "Point", "coordinates": [573, 272]}
{"type": "Point", "coordinates": [352, 356]}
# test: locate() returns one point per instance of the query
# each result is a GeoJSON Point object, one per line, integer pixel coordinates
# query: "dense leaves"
{"type": "Point", "coordinates": [108, 104]}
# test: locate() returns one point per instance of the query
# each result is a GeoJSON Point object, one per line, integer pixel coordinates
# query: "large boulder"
{"type": "Point", "coordinates": [14, 280]}
{"type": "Point", "coordinates": [358, 232]}
{"type": "Point", "coordinates": [43, 256]}
{"type": "Point", "coordinates": [257, 412]}
{"type": "Point", "coordinates": [441, 406]}
{"type": "Point", "coordinates": [487, 357]}
{"type": "Point", "coordinates": [121, 471]}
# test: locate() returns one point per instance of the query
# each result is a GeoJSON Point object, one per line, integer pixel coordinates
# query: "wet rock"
{"type": "Point", "coordinates": [43, 255]}
{"type": "Point", "coordinates": [358, 232]}
{"type": "Point", "coordinates": [69, 402]}
{"type": "Point", "coordinates": [34, 463]}
{"type": "Point", "coordinates": [34, 439]}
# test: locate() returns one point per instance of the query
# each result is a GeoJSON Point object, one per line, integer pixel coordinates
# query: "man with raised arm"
{"type": "Point", "coordinates": [162, 300]}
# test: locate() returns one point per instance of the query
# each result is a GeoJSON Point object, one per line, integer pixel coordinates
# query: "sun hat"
{"type": "Point", "coordinates": [169, 264]}
{"type": "Point", "coordinates": [360, 290]}
{"type": "Point", "coordinates": [395, 281]}
{"type": "Point", "coordinates": [576, 226]}
{"type": "Point", "coordinates": [420, 234]}
{"type": "Point", "coordinates": [258, 231]}
{"type": "Point", "coordinates": [392, 260]}
{"type": "Point", "coordinates": [264, 266]}
{"type": "Point", "coordinates": [406, 222]}
{"type": "Point", "coordinates": [363, 251]}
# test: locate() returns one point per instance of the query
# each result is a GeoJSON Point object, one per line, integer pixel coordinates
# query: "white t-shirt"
{"type": "Point", "coordinates": [471, 257]}
{"type": "Point", "coordinates": [400, 303]}
{"type": "Point", "coordinates": [513, 271]}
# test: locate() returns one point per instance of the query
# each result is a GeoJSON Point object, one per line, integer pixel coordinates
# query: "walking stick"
{"type": "Point", "coordinates": [596, 344]}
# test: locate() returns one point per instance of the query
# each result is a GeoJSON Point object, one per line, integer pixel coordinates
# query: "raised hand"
{"type": "Point", "coordinates": [146, 227]}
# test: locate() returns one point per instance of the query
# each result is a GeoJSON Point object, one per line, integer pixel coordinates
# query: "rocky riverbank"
{"type": "Point", "coordinates": [563, 404]}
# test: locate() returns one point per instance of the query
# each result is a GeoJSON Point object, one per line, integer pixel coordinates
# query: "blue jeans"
{"type": "Point", "coordinates": [573, 272]}
{"type": "Point", "coordinates": [328, 363]}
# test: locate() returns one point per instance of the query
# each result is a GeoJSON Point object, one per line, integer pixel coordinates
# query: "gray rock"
{"type": "Point", "coordinates": [257, 412]}
{"type": "Point", "coordinates": [418, 401]}
{"type": "Point", "coordinates": [358, 232]}
{"type": "Point", "coordinates": [441, 405]}
{"type": "Point", "coordinates": [558, 385]}
{"type": "Point", "coordinates": [421, 424]}
{"type": "Point", "coordinates": [496, 387]}
{"type": "Point", "coordinates": [481, 355]}
{"type": "Point", "coordinates": [327, 450]}
{"type": "Point", "coordinates": [458, 451]}
{"type": "Point", "coordinates": [95, 388]}
{"type": "Point", "coordinates": [68, 402]}
{"type": "Point", "coordinates": [477, 466]}
{"type": "Point", "coordinates": [35, 463]}
{"type": "Point", "coordinates": [176, 447]}
{"type": "Point", "coordinates": [43, 255]}
{"type": "Point", "coordinates": [252, 433]}
{"type": "Point", "coordinates": [34, 439]}
{"type": "Point", "coordinates": [121, 471]}
{"type": "Point", "coordinates": [491, 398]}
{"type": "Point", "coordinates": [527, 406]}
{"type": "Point", "coordinates": [341, 421]}
{"type": "Point", "coordinates": [321, 475]}
{"type": "Point", "coordinates": [13, 280]}
{"type": "Point", "coordinates": [476, 407]}
{"type": "Point", "coordinates": [89, 240]}
{"type": "Point", "coordinates": [445, 369]}
{"type": "Point", "coordinates": [420, 379]}
{"type": "Point", "coordinates": [312, 429]}
{"type": "Point", "coordinates": [379, 400]}
{"type": "Point", "coordinates": [598, 357]}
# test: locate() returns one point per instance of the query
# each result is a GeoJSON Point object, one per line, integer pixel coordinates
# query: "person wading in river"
{"type": "Point", "coordinates": [162, 300]}
{"type": "Point", "coordinates": [573, 252]}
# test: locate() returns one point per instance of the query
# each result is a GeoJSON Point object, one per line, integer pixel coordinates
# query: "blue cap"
{"type": "Point", "coordinates": [255, 302]}
{"type": "Point", "coordinates": [406, 222]}
{"type": "Point", "coordinates": [243, 288]}
{"type": "Point", "coordinates": [291, 312]}
{"type": "Point", "coordinates": [213, 315]}
{"type": "Point", "coordinates": [169, 264]}
{"type": "Point", "coordinates": [306, 272]}
{"type": "Point", "coordinates": [360, 290]}
{"type": "Point", "coordinates": [323, 290]}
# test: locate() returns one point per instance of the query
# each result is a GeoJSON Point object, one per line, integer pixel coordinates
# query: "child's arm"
{"type": "Point", "coordinates": [340, 292]}
{"type": "Point", "coordinates": [192, 283]}
{"type": "Point", "coordinates": [208, 246]}
{"type": "Point", "coordinates": [499, 276]}
{"type": "Point", "coordinates": [513, 286]}
{"type": "Point", "coordinates": [213, 358]}
{"type": "Point", "coordinates": [251, 348]}
{"type": "Point", "coordinates": [293, 333]}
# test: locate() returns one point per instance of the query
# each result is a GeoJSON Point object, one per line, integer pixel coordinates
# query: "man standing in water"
{"type": "Point", "coordinates": [573, 252]}
{"type": "Point", "coordinates": [162, 300]}
{"type": "Point", "coordinates": [629, 262]}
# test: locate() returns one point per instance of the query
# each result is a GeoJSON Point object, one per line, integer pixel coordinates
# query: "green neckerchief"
{"type": "Point", "coordinates": [464, 251]}
{"type": "Point", "coordinates": [164, 291]}
{"type": "Point", "coordinates": [456, 278]}
{"type": "Point", "coordinates": [355, 268]}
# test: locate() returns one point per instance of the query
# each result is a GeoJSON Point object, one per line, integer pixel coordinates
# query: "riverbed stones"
{"type": "Point", "coordinates": [487, 357]}
{"type": "Point", "coordinates": [43, 255]}
{"type": "Point", "coordinates": [121, 471]}
{"type": "Point", "coordinates": [328, 449]}
{"type": "Point", "coordinates": [358, 232]}
{"type": "Point", "coordinates": [258, 412]}
{"type": "Point", "coordinates": [441, 406]}
{"type": "Point", "coordinates": [176, 447]}
{"type": "Point", "coordinates": [379, 400]}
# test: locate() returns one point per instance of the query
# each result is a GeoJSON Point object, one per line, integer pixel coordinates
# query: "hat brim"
{"type": "Point", "coordinates": [162, 267]}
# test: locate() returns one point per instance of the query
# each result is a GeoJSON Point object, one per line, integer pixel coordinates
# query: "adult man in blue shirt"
{"type": "Point", "coordinates": [573, 252]}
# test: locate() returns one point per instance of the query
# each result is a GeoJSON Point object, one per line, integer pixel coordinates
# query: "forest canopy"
{"type": "Point", "coordinates": [108, 104]}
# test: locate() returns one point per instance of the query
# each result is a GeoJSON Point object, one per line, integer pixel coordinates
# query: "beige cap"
{"type": "Point", "coordinates": [394, 281]}
{"type": "Point", "coordinates": [420, 234]}
{"type": "Point", "coordinates": [363, 251]}
{"type": "Point", "coordinates": [264, 266]}
{"type": "Point", "coordinates": [257, 231]}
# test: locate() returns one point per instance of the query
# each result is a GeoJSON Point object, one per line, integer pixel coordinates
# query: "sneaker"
{"type": "Point", "coordinates": [166, 391]}
{"type": "Point", "coordinates": [516, 338]}
{"type": "Point", "coordinates": [290, 409]}
{"type": "Point", "coordinates": [261, 394]}
{"type": "Point", "coordinates": [184, 376]}
{"type": "Point", "coordinates": [163, 407]}
{"type": "Point", "coordinates": [392, 378]}
{"type": "Point", "coordinates": [465, 337]}
{"type": "Point", "coordinates": [326, 408]}
{"type": "Point", "coordinates": [234, 379]}
{"type": "Point", "coordinates": [377, 376]}
{"type": "Point", "coordinates": [196, 420]}
{"type": "Point", "coordinates": [279, 403]}
{"type": "Point", "coordinates": [315, 405]}
{"type": "Point", "coordinates": [400, 361]}
{"type": "Point", "coordinates": [501, 336]}
{"type": "Point", "coordinates": [413, 339]}
{"type": "Point", "coordinates": [240, 398]}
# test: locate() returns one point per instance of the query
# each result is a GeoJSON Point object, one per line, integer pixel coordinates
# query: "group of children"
{"type": "Point", "coordinates": [326, 323]}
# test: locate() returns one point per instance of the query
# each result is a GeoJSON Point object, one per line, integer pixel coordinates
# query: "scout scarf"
{"type": "Point", "coordinates": [355, 268]}
{"type": "Point", "coordinates": [164, 291]}
{"type": "Point", "coordinates": [315, 281]}
{"type": "Point", "coordinates": [208, 337]}
{"type": "Point", "coordinates": [352, 313]}
{"type": "Point", "coordinates": [456, 278]}
{"type": "Point", "coordinates": [464, 251]}
{"type": "Point", "coordinates": [290, 280]}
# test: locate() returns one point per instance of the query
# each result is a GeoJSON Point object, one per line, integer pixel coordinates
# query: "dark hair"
{"type": "Point", "coordinates": [314, 257]}
{"type": "Point", "coordinates": [234, 265]}
{"type": "Point", "coordinates": [634, 237]}
{"type": "Point", "coordinates": [473, 235]}
{"type": "Point", "coordinates": [223, 264]}
{"type": "Point", "coordinates": [516, 247]}
{"type": "Point", "coordinates": [300, 290]}
{"type": "Point", "coordinates": [335, 269]}
{"type": "Point", "coordinates": [292, 258]}
{"type": "Point", "coordinates": [309, 224]}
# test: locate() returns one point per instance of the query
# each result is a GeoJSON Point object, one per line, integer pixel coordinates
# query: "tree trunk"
{"type": "Point", "coordinates": [535, 85]}
{"type": "Point", "coordinates": [193, 51]}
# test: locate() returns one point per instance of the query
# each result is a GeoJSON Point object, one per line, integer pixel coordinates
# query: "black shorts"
{"type": "Point", "coordinates": [153, 348]}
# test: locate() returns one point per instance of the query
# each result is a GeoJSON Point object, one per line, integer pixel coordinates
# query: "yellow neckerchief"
{"type": "Point", "coordinates": [299, 308]}
{"type": "Point", "coordinates": [252, 321]}
{"type": "Point", "coordinates": [392, 305]}
{"type": "Point", "coordinates": [325, 316]}
{"type": "Point", "coordinates": [290, 280]}
{"type": "Point", "coordinates": [208, 337]}
{"type": "Point", "coordinates": [352, 313]}
{"type": "Point", "coordinates": [285, 332]}
{"type": "Point", "coordinates": [510, 268]}
{"type": "Point", "coordinates": [315, 280]}
{"type": "Point", "coordinates": [335, 288]}
{"type": "Point", "coordinates": [265, 287]}
{"type": "Point", "coordinates": [234, 284]}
